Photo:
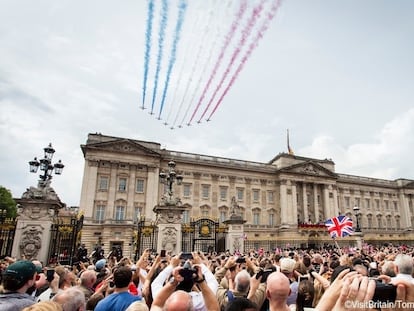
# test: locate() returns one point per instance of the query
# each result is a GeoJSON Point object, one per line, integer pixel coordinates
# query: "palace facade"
{"type": "Point", "coordinates": [284, 202]}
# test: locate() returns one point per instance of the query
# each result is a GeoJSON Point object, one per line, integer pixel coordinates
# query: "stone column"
{"type": "Point", "coordinates": [89, 185]}
{"type": "Point", "coordinates": [153, 184]}
{"type": "Point", "coordinates": [294, 209]}
{"type": "Point", "coordinates": [131, 192]}
{"type": "Point", "coordinates": [235, 234]}
{"type": "Point", "coordinates": [35, 214]}
{"type": "Point", "coordinates": [335, 201]}
{"type": "Point", "coordinates": [283, 203]}
{"type": "Point", "coordinates": [305, 204]}
{"type": "Point", "coordinates": [169, 223]}
{"type": "Point", "coordinates": [315, 202]}
{"type": "Point", "coordinates": [326, 204]}
{"type": "Point", "coordinates": [113, 183]}
{"type": "Point", "coordinates": [405, 211]}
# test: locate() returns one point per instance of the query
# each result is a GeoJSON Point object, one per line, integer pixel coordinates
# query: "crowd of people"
{"type": "Point", "coordinates": [287, 279]}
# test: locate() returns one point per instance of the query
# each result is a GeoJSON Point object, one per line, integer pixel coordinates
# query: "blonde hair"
{"type": "Point", "coordinates": [44, 306]}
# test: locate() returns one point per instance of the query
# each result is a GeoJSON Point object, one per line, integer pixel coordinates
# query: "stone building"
{"type": "Point", "coordinates": [284, 201]}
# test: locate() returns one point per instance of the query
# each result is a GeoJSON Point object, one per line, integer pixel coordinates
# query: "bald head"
{"type": "Point", "coordinates": [88, 278]}
{"type": "Point", "coordinates": [179, 301]}
{"type": "Point", "coordinates": [277, 287]}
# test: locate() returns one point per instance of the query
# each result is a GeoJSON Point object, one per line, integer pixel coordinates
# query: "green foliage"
{"type": "Point", "coordinates": [7, 202]}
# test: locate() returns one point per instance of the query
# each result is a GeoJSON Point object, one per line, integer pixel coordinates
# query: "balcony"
{"type": "Point", "coordinates": [314, 227]}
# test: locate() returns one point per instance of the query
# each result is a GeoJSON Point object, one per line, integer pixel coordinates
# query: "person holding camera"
{"type": "Point", "coordinates": [193, 278]}
{"type": "Point", "coordinates": [59, 278]}
{"type": "Point", "coordinates": [244, 286]}
{"type": "Point", "coordinates": [178, 293]}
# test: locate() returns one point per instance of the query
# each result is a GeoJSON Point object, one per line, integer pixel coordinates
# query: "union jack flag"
{"type": "Point", "coordinates": [340, 226]}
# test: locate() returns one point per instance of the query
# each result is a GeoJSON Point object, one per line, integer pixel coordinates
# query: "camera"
{"type": "Point", "coordinates": [186, 256]}
{"type": "Point", "coordinates": [188, 272]}
{"type": "Point", "coordinates": [163, 253]}
{"type": "Point", "coordinates": [303, 278]}
{"type": "Point", "coordinates": [384, 292]}
{"type": "Point", "coordinates": [241, 260]}
{"type": "Point", "coordinates": [50, 275]}
{"type": "Point", "coordinates": [264, 273]}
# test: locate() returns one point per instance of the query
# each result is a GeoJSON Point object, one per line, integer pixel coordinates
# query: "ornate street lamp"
{"type": "Point", "coordinates": [45, 165]}
{"type": "Point", "coordinates": [357, 215]}
{"type": "Point", "coordinates": [169, 178]}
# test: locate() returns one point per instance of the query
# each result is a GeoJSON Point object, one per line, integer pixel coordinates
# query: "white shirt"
{"type": "Point", "coordinates": [197, 297]}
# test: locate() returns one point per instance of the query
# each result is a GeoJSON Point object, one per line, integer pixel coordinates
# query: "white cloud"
{"type": "Point", "coordinates": [379, 158]}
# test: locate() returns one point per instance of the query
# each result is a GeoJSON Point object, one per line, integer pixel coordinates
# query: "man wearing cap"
{"type": "Point", "coordinates": [17, 279]}
{"type": "Point", "coordinates": [287, 266]}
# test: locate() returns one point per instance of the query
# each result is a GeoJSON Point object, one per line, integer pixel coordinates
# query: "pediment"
{"type": "Point", "coordinates": [409, 185]}
{"type": "Point", "coordinates": [309, 168]}
{"type": "Point", "coordinates": [124, 146]}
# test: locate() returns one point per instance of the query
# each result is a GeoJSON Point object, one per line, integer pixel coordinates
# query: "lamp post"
{"type": "Point", "coordinates": [169, 178]}
{"type": "Point", "coordinates": [45, 165]}
{"type": "Point", "coordinates": [357, 215]}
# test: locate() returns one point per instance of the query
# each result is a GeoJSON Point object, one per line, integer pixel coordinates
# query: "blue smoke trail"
{"type": "Point", "coordinates": [161, 36]}
{"type": "Point", "coordinates": [147, 48]}
{"type": "Point", "coordinates": [182, 8]}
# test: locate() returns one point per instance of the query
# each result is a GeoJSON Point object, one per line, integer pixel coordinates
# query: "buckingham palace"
{"type": "Point", "coordinates": [283, 202]}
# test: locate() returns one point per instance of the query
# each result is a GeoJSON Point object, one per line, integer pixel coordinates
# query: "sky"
{"type": "Point", "coordinates": [338, 74]}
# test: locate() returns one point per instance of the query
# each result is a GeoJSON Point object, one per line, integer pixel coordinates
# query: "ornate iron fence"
{"type": "Point", "coordinates": [7, 232]}
{"type": "Point", "coordinates": [65, 237]}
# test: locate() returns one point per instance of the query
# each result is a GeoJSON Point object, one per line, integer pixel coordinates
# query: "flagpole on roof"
{"type": "Point", "coordinates": [290, 150]}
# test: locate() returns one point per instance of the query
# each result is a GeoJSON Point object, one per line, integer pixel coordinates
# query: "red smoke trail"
{"type": "Point", "coordinates": [245, 34]}
{"type": "Point", "coordinates": [196, 25]}
{"type": "Point", "coordinates": [212, 49]}
{"type": "Point", "coordinates": [228, 38]}
{"type": "Point", "coordinates": [252, 46]}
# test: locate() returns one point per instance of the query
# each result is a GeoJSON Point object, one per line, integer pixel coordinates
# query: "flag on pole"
{"type": "Point", "coordinates": [340, 226]}
{"type": "Point", "coordinates": [290, 150]}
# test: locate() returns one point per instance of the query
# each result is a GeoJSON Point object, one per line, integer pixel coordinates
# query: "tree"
{"type": "Point", "coordinates": [7, 203]}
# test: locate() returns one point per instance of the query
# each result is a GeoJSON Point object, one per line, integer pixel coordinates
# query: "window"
{"type": "Point", "coordinates": [389, 226]}
{"type": "Point", "coordinates": [271, 219]}
{"type": "Point", "coordinates": [270, 197]}
{"type": "Point", "coordinates": [223, 193]}
{"type": "Point", "coordinates": [223, 216]}
{"type": "Point", "coordinates": [256, 194]}
{"type": "Point", "coordinates": [369, 217]}
{"type": "Point", "coordinates": [137, 214]}
{"type": "Point", "coordinates": [186, 190]}
{"type": "Point", "coordinates": [379, 220]}
{"type": "Point", "coordinates": [377, 204]}
{"type": "Point", "coordinates": [100, 213]}
{"type": "Point", "coordinates": [386, 204]}
{"type": "Point", "coordinates": [347, 202]}
{"type": "Point", "coordinates": [103, 183]}
{"type": "Point", "coordinates": [205, 191]}
{"type": "Point", "coordinates": [256, 218]}
{"type": "Point", "coordinates": [367, 204]}
{"type": "Point", "coordinates": [395, 206]}
{"type": "Point", "coordinates": [186, 217]}
{"type": "Point", "coordinates": [205, 213]}
{"type": "Point", "coordinates": [240, 194]}
{"type": "Point", "coordinates": [140, 186]}
{"type": "Point", "coordinates": [119, 212]}
{"type": "Point", "coordinates": [122, 184]}
{"type": "Point", "coordinates": [397, 223]}
{"type": "Point", "coordinates": [357, 202]}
